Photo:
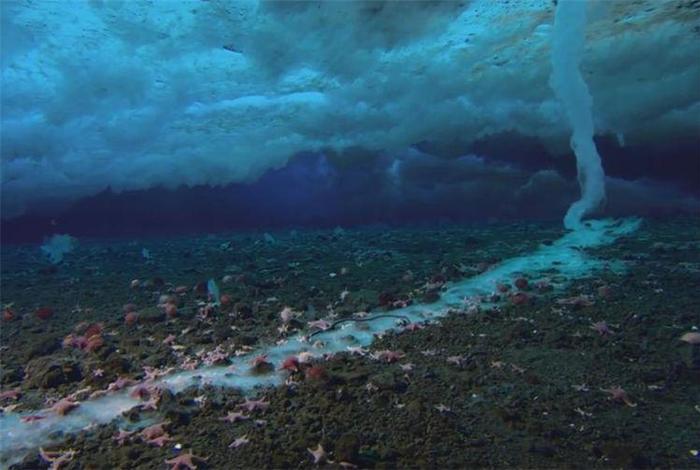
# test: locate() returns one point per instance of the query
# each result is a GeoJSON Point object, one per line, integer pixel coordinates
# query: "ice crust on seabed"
{"type": "Point", "coordinates": [137, 94]}
{"type": "Point", "coordinates": [571, 261]}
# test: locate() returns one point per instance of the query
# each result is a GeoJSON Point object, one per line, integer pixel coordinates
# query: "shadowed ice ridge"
{"type": "Point", "coordinates": [566, 255]}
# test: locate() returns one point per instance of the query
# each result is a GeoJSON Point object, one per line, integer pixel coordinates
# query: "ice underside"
{"type": "Point", "coordinates": [132, 94]}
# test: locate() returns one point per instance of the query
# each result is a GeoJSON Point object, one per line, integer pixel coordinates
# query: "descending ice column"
{"type": "Point", "coordinates": [571, 90]}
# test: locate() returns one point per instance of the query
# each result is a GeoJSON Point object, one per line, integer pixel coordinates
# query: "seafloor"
{"type": "Point", "coordinates": [525, 384]}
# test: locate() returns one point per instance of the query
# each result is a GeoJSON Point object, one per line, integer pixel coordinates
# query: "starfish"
{"type": "Point", "coordinates": [287, 314]}
{"type": "Point", "coordinates": [234, 416]}
{"type": "Point", "coordinates": [318, 453]}
{"type": "Point", "coordinates": [160, 441]}
{"type": "Point", "coordinates": [252, 405]}
{"type": "Point", "coordinates": [155, 430]}
{"type": "Point", "coordinates": [456, 360]}
{"type": "Point", "coordinates": [406, 367]}
{"type": "Point", "coordinates": [238, 442]}
{"type": "Point", "coordinates": [320, 324]}
{"type": "Point", "coordinates": [119, 384]}
{"type": "Point", "coordinates": [55, 458]}
{"type": "Point", "coordinates": [442, 408]}
{"type": "Point", "coordinates": [189, 363]}
{"type": "Point", "coordinates": [602, 328]}
{"type": "Point", "coordinates": [151, 403]}
{"type": "Point", "coordinates": [97, 373]}
{"type": "Point", "coordinates": [359, 350]}
{"type": "Point", "coordinates": [617, 393]}
{"type": "Point", "coordinates": [413, 327]}
{"type": "Point", "coordinates": [387, 356]}
{"type": "Point", "coordinates": [64, 406]}
{"type": "Point", "coordinates": [153, 373]}
{"type": "Point", "coordinates": [122, 436]}
{"type": "Point", "coordinates": [258, 360]}
{"type": "Point", "coordinates": [305, 357]}
{"type": "Point", "coordinates": [32, 418]}
{"type": "Point", "coordinates": [9, 408]}
{"type": "Point", "coordinates": [184, 461]}
{"type": "Point", "coordinates": [13, 394]}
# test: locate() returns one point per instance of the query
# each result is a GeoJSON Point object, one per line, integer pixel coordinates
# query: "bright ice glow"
{"type": "Point", "coordinates": [565, 255]}
{"type": "Point", "coordinates": [134, 94]}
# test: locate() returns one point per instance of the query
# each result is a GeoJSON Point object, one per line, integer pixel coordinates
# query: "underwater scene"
{"type": "Point", "coordinates": [350, 234]}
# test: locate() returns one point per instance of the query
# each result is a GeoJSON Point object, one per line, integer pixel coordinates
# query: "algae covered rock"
{"type": "Point", "coordinates": [43, 373]}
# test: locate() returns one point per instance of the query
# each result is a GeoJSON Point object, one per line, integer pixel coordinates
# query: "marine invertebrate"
{"type": "Point", "coordinates": [44, 313]}
{"type": "Point", "coordinates": [387, 356]}
{"type": "Point", "coordinates": [602, 328]}
{"type": "Point", "coordinates": [617, 393]}
{"type": "Point", "coordinates": [184, 461]}
{"type": "Point", "coordinates": [253, 405]}
{"type": "Point", "coordinates": [290, 364]}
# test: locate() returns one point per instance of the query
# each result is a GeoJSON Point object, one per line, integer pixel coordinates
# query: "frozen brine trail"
{"type": "Point", "coordinates": [566, 255]}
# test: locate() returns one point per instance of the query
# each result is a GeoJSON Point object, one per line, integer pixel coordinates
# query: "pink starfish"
{"type": "Point", "coordinates": [160, 441]}
{"type": "Point", "coordinates": [123, 436]}
{"type": "Point", "coordinates": [617, 393]}
{"type": "Point", "coordinates": [13, 394]}
{"type": "Point", "coordinates": [259, 360]}
{"type": "Point", "coordinates": [234, 416]}
{"type": "Point", "coordinates": [119, 384]}
{"type": "Point", "coordinates": [189, 363]}
{"type": "Point", "coordinates": [320, 324]}
{"type": "Point", "coordinates": [56, 458]}
{"type": "Point", "coordinates": [184, 461]}
{"type": "Point", "coordinates": [602, 328]}
{"type": "Point", "coordinates": [64, 406]}
{"type": "Point", "coordinates": [32, 418]}
{"type": "Point", "coordinates": [97, 373]}
{"type": "Point", "coordinates": [252, 405]}
{"type": "Point", "coordinates": [150, 404]}
{"type": "Point", "coordinates": [413, 327]}
{"type": "Point", "coordinates": [155, 430]}
{"type": "Point", "coordinates": [388, 356]}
